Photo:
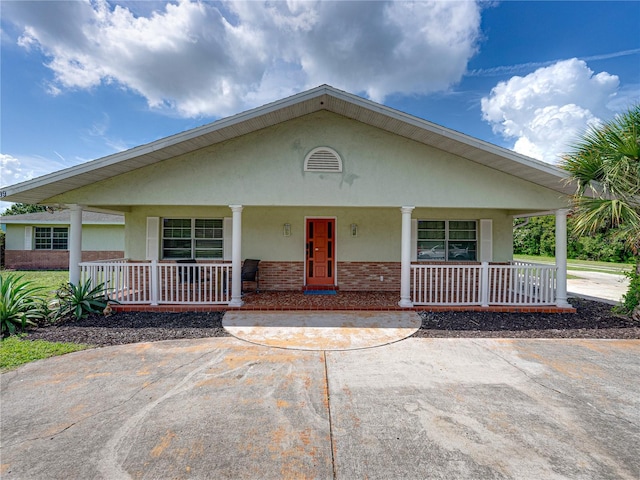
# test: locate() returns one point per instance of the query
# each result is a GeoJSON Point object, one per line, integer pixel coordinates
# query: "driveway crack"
{"type": "Point", "coordinates": [328, 400]}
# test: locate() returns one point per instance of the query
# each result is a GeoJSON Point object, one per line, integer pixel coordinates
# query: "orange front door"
{"type": "Point", "coordinates": [321, 246]}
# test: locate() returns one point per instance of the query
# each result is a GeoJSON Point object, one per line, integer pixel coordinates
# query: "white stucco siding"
{"type": "Point", "coordinates": [266, 168]}
{"type": "Point", "coordinates": [103, 237]}
{"type": "Point", "coordinates": [378, 239]}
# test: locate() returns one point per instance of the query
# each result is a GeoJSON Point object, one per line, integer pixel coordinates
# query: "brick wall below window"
{"type": "Point", "coordinates": [52, 259]}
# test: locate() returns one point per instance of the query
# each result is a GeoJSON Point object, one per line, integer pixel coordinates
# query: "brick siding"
{"type": "Point", "coordinates": [352, 276]}
{"type": "Point", "coordinates": [51, 259]}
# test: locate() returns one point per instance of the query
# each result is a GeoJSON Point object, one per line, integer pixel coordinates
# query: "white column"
{"type": "Point", "coordinates": [236, 257]}
{"type": "Point", "coordinates": [561, 257]}
{"type": "Point", "coordinates": [405, 259]}
{"type": "Point", "coordinates": [75, 244]}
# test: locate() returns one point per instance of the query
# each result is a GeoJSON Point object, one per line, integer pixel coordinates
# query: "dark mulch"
{"type": "Point", "coordinates": [592, 320]}
{"type": "Point", "coordinates": [133, 327]}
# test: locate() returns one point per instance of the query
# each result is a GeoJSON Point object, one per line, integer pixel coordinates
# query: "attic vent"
{"type": "Point", "coordinates": [323, 159]}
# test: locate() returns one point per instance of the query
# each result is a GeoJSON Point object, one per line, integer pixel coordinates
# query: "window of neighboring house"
{"type": "Point", "coordinates": [51, 238]}
{"type": "Point", "coordinates": [192, 238]}
{"type": "Point", "coordinates": [443, 240]}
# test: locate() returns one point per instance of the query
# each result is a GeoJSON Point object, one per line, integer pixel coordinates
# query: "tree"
{"type": "Point", "coordinates": [20, 208]}
{"type": "Point", "coordinates": [605, 163]}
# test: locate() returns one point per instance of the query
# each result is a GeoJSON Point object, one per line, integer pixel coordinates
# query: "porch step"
{"type": "Point", "coordinates": [308, 288]}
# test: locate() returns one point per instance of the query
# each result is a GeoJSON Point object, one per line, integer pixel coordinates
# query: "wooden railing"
{"type": "Point", "coordinates": [483, 284]}
{"type": "Point", "coordinates": [156, 283]}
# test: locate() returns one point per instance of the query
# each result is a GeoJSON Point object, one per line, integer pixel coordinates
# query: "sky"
{"type": "Point", "coordinates": [80, 80]}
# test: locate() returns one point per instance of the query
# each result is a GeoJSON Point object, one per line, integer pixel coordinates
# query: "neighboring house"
{"type": "Point", "coordinates": [40, 240]}
{"type": "Point", "coordinates": [328, 190]}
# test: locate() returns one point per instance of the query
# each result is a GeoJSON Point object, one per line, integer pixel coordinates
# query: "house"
{"type": "Point", "coordinates": [40, 241]}
{"type": "Point", "coordinates": [328, 190]}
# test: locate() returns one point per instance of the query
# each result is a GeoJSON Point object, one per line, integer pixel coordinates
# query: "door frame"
{"type": "Point", "coordinates": [335, 246]}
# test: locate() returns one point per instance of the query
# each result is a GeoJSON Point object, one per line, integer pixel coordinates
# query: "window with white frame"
{"type": "Point", "coordinates": [447, 240]}
{"type": "Point", "coordinates": [192, 238]}
{"type": "Point", "coordinates": [51, 238]}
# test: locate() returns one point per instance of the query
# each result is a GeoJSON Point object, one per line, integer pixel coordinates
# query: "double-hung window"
{"type": "Point", "coordinates": [192, 238]}
{"type": "Point", "coordinates": [443, 240]}
{"type": "Point", "coordinates": [51, 238]}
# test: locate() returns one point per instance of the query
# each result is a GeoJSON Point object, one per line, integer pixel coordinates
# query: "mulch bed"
{"type": "Point", "coordinates": [592, 320]}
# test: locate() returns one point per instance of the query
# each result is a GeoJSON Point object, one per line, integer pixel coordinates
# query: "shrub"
{"type": "Point", "coordinates": [21, 304]}
{"type": "Point", "coordinates": [631, 299]}
{"type": "Point", "coordinates": [80, 300]}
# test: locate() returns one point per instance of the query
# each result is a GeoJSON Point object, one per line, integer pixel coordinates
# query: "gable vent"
{"type": "Point", "coordinates": [323, 159]}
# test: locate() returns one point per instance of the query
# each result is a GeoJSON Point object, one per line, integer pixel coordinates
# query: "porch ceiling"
{"type": "Point", "coordinates": [321, 98]}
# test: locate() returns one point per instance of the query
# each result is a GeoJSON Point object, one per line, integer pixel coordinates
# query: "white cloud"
{"type": "Point", "coordinates": [202, 58]}
{"type": "Point", "coordinates": [547, 110]}
{"type": "Point", "coordinates": [13, 170]}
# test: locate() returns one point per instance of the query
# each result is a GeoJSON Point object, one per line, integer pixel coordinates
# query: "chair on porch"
{"type": "Point", "coordinates": [250, 272]}
{"type": "Point", "coordinates": [187, 273]}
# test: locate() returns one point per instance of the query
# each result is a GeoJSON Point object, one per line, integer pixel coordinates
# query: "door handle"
{"type": "Point", "coordinates": [317, 249]}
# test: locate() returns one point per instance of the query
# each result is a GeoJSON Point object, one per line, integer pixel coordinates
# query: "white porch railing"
{"type": "Point", "coordinates": [519, 283]}
{"type": "Point", "coordinates": [156, 283]}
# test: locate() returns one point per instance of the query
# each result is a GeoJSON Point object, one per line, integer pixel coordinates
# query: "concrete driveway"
{"type": "Point", "coordinates": [416, 409]}
{"type": "Point", "coordinates": [601, 286]}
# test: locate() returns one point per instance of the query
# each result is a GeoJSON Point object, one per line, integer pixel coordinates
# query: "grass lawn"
{"type": "Point", "coordinates": [14, 351]}
{"type": "Point", "coordinates": [50, 280]}
{"type": "Point", "coordinates": [580, 265]}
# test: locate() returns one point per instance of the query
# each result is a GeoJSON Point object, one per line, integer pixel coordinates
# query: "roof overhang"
{"type": "Point", "coordinates": [327, 98]}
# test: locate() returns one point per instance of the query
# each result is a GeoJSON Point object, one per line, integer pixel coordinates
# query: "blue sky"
{"type": "Point", "coordinates": [81, 80]}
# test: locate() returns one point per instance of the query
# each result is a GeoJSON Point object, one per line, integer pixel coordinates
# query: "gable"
{"type": "Point", "coordinates": [266, 167]}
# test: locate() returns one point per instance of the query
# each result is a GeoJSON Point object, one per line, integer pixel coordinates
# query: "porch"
{"type": "Point", "coordinates": [159, 286]}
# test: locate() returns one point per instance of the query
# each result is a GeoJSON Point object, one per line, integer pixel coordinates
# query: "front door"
{"type": "Point", "coordinates": [321, 245]}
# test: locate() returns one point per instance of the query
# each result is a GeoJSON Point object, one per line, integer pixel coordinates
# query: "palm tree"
{"type": "Point", "coordinates": [605, 164]}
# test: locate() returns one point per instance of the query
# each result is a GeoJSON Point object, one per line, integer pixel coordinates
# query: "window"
{"type": "Point", "coordinates": [51, 238]}
{"type": "Point", "coordinates": [191, 238]}
{"type": "Point", "coordinates": [443, 240]}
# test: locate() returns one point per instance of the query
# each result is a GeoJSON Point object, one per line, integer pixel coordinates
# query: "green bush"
{"type": "Point", "coordinates": [631, 299]}
{"type": "Point", "coordinates": [79, 300]}
{"type": "Point", "coordinates": [21, 304]}
{"type": "Point", "coordinates": [537, 237]}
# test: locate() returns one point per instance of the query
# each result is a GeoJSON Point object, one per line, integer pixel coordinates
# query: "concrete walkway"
{"type": "Point", "coordinates": [416, 409]}
{"type": "Point", "coordinates": [321, 330]}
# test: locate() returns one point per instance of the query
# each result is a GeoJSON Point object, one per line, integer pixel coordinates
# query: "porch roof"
{"type": "Point", "coordinates": [325, 97]}
{"type": "Point", "coordinates": [62, 217]}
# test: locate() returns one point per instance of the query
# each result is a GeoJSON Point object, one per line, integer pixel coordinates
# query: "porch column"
{"type": "Point", "coordinates": [561, 257]}
{"type": "Point", "coordinates": [236, 257]}
{"type": "Point", "coordinates": [405, 259]}
{"type": "Point", "coordinates": [75, 244]}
